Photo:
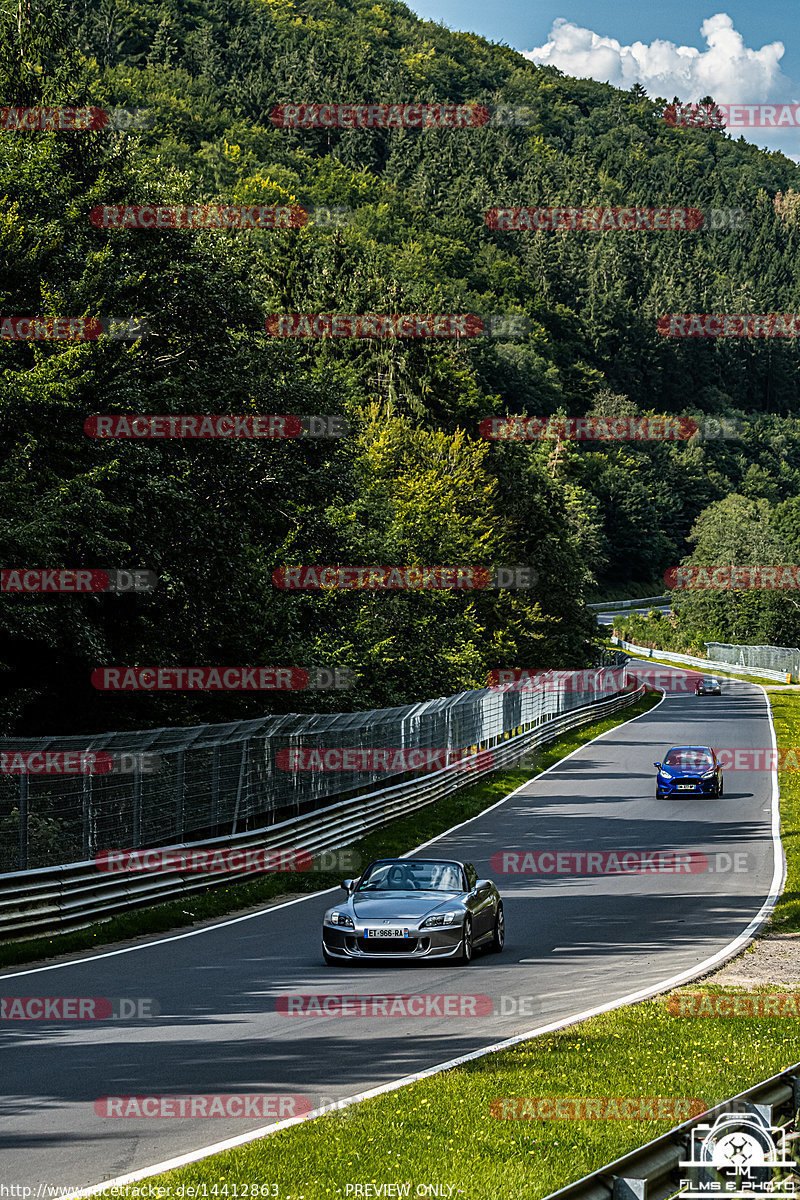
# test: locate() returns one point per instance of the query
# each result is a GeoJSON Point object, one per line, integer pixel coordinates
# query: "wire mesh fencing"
{"type": "Point", "coordinates": [65, 800]}
{"type": "Point", "coordinates": [771, 658]}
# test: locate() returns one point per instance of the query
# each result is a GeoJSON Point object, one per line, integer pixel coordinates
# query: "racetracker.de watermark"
{"type": "Point", "coordinates": [729, 325]}
{"type": "Point", "coordinates": [728, 577]}
{"type": "Point", "coordinates": [198, 216]}
{"type": "Point", "coordinates": [463, 578]}
{"type": "Point", "coordinates": [63, 119]}
{"type": "Point", "coordinates": [733, 116]}
{"type": "Point", "coordinates": [397, 758]}
{"type": "Point", "coordinates": [743, 758]}
{"type": "Point", "coordinates": [456, 1004]}
{"type": "Point", "coordinates": [36, 580]}
{"type": "Point", "coordinates": [208, 1105]}
{"type": "Point", "coordinates": [606, 429]}
{"type": "Point", "coordinates": [396, 325]}
{"type": "Point", "coordinates": [611, 680]}
{"type": "Point", "coordinates": [399, 116]}
{"type": "Point", "coordinates": [78, 1008]}
{"type": "Point", "coordinates": [606, 220]}
{"type": "Point", "coordinates": [734, 1004]}
{"type": "Point", "coordinates": [620, 862]}
{"type": "Point", "coordinates": [217, 860]}
{"type": "Point", "coordinates": [72, 329]}
{"type": "Point", "coordinates": [204, 425]}
{"type": "Point", "coordinates": [222, 679]}
{"type": "Point", "coordinates": [596, 1108]}
{"type": "Point", "coordinates": [219, 216]}
{"type": "Point", "coordinates": [78, 762]}
{"type": "Point", "coordinates": [518, 679]}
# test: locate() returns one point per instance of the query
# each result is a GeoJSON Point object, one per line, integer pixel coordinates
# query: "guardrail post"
{"type": "Point", "coordinates": [23, 822]}
{"type": "Point", "coordinates": [629, 1189]}
{"type": "Point", "coordinates": [136, 832]}
{"type": "Point", "coordinates": [242, 776]}
{"type": "Point", "coordinates": [215, 787]}
{"type": "Point", "coordinates": [87, 816]}
{"type": "Point", "coordinates": [179, 788]}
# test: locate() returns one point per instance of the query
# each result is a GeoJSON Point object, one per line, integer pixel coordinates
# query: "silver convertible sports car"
{"type": "Point", "coordinates": [412, 908]}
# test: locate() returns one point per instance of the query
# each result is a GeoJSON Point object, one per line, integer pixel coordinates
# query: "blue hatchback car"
{"type": "Point", "coordinates": [689, 771]}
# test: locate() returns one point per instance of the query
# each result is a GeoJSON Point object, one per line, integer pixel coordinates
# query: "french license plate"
{"type": "Point", "coordinates": [387, 933]}
{"type": "Point", "coordinates": [686, 787]}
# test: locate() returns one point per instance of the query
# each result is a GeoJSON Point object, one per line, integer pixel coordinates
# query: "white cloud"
{"type": "Point", "coordinates": [728, 70]}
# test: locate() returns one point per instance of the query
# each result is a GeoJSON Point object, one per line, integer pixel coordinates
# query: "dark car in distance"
{"type": "Point", "coordinates": [414, 908]}
{"type": "Point", "coordinates": [708, 686]}
{"type": "Point", "coordinates": [689, 771]}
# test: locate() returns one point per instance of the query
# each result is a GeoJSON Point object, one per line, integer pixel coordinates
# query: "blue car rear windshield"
{"type": "Point", "coordinates": [413, 876]}
{"type": "Point", "coordinates": [689, 756]}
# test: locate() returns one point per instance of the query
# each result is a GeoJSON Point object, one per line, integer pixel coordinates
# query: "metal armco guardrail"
{"type": "Point", "coordinates": [63, 799]}
{"type": "Point", "coordinates": [654, 1172]}
{"type": "Point", "coordinates": [78, 894]}
{"type": "Point", "coordinates": [619, 605]}
{"type": "Point", "coordinates": [707, 663]}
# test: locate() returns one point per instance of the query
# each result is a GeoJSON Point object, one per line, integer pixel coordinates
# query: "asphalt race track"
{"type": "Point", "coordinates": [573, 942]}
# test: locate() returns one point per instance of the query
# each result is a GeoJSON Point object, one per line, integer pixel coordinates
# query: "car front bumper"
{"type": "Point", "coordinates": [686, 787]}
{"type": "Point", "coordinates": [441, 942]}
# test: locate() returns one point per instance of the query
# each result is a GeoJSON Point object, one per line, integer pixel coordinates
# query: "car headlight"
{"type": "Point", "coordinates": [439, 919]}
{"type": "Point", "coordinates": [338, 918]}
{"type": "Point", "coordinates": [664, 775]}
{"type": "Point", "coordinates": [709, 774]}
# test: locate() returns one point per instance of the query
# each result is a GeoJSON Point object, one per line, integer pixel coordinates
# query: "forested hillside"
{"type": "Point", "coordinates": [414, 483]}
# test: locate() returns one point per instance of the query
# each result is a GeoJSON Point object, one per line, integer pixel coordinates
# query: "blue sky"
{"type": "Point", "coordinates": [734, 45]}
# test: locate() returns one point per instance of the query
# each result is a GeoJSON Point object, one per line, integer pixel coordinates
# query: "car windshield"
{"type": "Point", "coordinates": [689, 756]}
{"type": "Point", "coordinates": [411, 875]}
{"type": "Point", "coordinates": [709, 683]}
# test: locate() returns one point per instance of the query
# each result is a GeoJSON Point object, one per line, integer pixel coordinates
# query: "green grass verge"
{"type": "Point", "coordinates": [396, 838]}
{"type": "Point", "coordinates": [786, 716]}
{"type": "Point", "coordinates": [440, 1130]}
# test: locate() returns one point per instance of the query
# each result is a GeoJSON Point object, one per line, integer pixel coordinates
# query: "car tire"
{"type": "Point", "coordinates": [464, 958]}
{"type": "Point", "coordinates": [659, 795]}
{"type": "Point", "coordinates": [329, 958]}
{"type": "Point", "coordinates": [499, 935]}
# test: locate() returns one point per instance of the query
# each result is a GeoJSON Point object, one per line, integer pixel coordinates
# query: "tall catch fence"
{"type": "Point", "coordinates": [772, 658]}
{"type": "Point", "coordinates": [167, 786]}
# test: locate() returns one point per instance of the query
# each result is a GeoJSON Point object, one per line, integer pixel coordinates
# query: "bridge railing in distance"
{"type": "Point", "coordinates": [785, 659]}
{"type": "Point", "coordinates": [707, 663]}
{"type": "Point", "coordinates": [619, 605]}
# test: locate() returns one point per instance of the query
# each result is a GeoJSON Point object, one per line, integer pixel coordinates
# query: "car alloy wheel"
{"type": "Point", "coordinates": [465, 957]}
{"type": "Point", "coordinates": [499, 938]}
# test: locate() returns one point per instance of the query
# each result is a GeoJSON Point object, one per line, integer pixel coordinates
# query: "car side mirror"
{"type": "Point", "coordinates": [657, 764]}
{"type": "Point", "coordinates": [349, 885]}
{"type": "Point", "coordinates": [482, 883]}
